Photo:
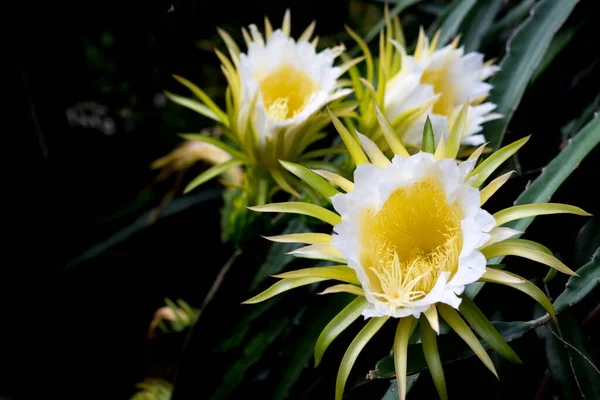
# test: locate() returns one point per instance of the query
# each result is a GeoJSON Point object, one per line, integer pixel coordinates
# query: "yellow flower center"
{"type": "Point", "coordinates": [406, 245]}
{"type": "Point", "coordinates": [286, 92]}
{"type": "Point", "coordinates": [442, 84]}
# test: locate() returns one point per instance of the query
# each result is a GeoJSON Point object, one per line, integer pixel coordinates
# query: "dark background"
{"type": "Point", "coordinates": [92, 117]}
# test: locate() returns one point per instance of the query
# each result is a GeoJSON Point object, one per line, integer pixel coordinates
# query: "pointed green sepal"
{"type": "Point", "coordinates": [212, 172]}
{"type": "Point", "coordinates": [311, 178]}
{"type": "Point", "coordinates": [297, 207]}
{"type": "Point", "coordinates": [432, 357]}
{"type": "Point", "coordinates": [403, 332]}
{"type": "Point", "coordinates": [531, 210]}
{"type": "Point", "coordinates": [282, 286]}
{"type": "Point", "coordinates": [450, 315]}
{"type": "Point", "coordinates": [486, 330]}
{"type": "Point", "coordinates": [193, 105]}
{"type": "Point", "coordinates": [341, 273]}
{"type": "Point", "coordinates": [524, 286]}
{"type": "Point", "coordinates": [215, 142]}
{"type": "Point", "coordinates": [526, 249]}
{"type": "Point", "coordinates": [204, 98]}
{"type": "Point", "coordinates": [428, 144]}
{"type": "Point", "coordinates": [356, 152]}
{"type": "Point", "coordinates": [456, 132]}
{"type": "Point", "coordinates": [490, 164]}
{"type": "Point", "coordinates": [359, 342]}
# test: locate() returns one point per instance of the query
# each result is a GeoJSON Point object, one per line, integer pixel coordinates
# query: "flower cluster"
{"type": "Point", "coordinates": [409, 232]}
{"type": "Point", "coordinates": [274, 104]}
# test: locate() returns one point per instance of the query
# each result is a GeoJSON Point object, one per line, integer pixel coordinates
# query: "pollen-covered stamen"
{"type": "Point", "coordinates": [395, 290]}
{"type": "Point", "coordinates": [406, 245]}
{"type": "Point", "coordinates": [443, 84]}
{"type": "Point", "coordinates": [286, 91]}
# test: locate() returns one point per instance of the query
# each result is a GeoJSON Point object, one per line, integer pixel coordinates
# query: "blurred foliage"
{"type": "Point", "coordinates": [153, 389]}
{"type": "Point", "coordinates": [174, 317]}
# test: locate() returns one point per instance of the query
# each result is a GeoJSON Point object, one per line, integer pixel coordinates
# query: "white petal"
{"type": "Point", "coordinates": [499, 234]}
{"type": "Point", "coordinates": [470, 269]}
{"type": "Point", "coordinates": [374, 185]}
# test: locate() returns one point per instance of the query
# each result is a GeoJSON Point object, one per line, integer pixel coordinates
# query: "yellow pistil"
{"type": "Point", "coordinates": [406, 245]}
{"type": "Point", "coordinates": [443, 85]}
{"type": "Point", "coordinates": [286, 91]}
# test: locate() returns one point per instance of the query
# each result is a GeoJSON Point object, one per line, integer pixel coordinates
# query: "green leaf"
{"type": "Point", "coordinates": [582, 363]}
{"type": "Point", "coordinates": [558, 170]}
{"type": "Point", "coordinates": [478, 22]}
{"type": "Point", "coordinates": [525, 49]}
{"type": "Point", "coordinates": [556, 46]}
{"type": "Point", "coordinates": [359, 342]}
{"type": "Point", "coordinates": [574, 126]}
{"type": "Point", "coordinates": [587, 241]}
{"type": "Point", "coordinates": [558, 363]}
{"type": "Point", "coordinates": [570, 364]}
{"type": "Point", "coordinates": [580, 285]}
{"type": "Point", "coordinates": [451, 19]}
{"type": "Point", "coordinates": [513, 17]}
{"type": "Point", "coordinates": [553, 175]}
{"type": "Point", "coordinates": [392, 392]}
{"type": "Point", "coordinates": [238, 223]}
{"type": "Point", "coordinates": [428, 143]}
{"type": "Point", "coordinates": [337, 325]}
{"type": "Point", "coordinates": [251, 353]}
{"type": "Point", "coordinates": [486, 330]}
{"type": "Point", "coordinates": [144, 221]}
{"type": "Point", "coordinates": [212, 172]}
{"type": "Point", "coordinates": [277, 258]}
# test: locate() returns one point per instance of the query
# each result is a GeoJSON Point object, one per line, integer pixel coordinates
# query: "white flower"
{"type": "Point", "coordinates": [411, 231]}
{"type": "Point", "coordinates": [447, 78]}
{"type": "Point", "coordinates": [288, 81]}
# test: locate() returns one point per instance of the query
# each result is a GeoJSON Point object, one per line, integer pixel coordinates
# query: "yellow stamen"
{"type": "Point", "coordinates": [406, 245]}
{"type": "Point", "coordinates": [442, 84]}
{"type": "Point", "coordinates": [286, 91]}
